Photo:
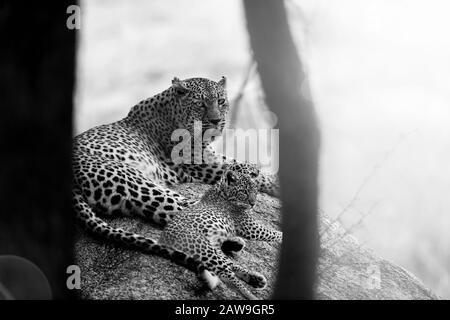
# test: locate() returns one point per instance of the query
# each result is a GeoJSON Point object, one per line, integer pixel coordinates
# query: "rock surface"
{"type": "Point", "coordinates": [346, 269]}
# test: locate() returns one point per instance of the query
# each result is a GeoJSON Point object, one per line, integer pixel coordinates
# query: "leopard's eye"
{"type": "Point", "coordinates": [200, 104]}
{"type": "Point", "coordinates": [221, 101]}
{"type": "Point", "coordinates": [254, 174]}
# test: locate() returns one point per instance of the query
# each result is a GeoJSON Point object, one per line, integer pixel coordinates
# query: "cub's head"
{"type": "Point", "coordinates": [238, 185]}
{"type": "Point", "coordinates": [246, 167]}
{"type": "Point", "coordinates": [200, 99]}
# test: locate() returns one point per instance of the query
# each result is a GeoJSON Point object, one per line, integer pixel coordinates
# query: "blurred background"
{"type": "Point", "coordinates": [379, 73]}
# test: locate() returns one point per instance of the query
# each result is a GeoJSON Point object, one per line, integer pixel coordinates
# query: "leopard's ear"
{"type": "Point", "coordinates": [256, 165]}
{"type": "Point", "coordinates": [223, 82]}
{"type": "Point", "coordinates": [179, 87]}
{"type": "Point", "coordinates": [175, 80]}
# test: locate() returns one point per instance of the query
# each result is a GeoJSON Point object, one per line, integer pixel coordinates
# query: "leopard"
{"type": "Point", "coordinates": [126, 168]}
{"type": "Point", "coordinates": [215, 228]}
{"type": "Point", "coordinates": [208, 234]}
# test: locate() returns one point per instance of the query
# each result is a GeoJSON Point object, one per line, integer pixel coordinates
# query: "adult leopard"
{"type": "Point", "coordinates": [126, 167]}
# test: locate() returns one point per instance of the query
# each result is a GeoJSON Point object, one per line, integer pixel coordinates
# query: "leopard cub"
{"type": "Point", "coordinates": [215, 227]}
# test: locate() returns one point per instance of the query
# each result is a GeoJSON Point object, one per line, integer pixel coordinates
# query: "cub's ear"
{"type": "Point", "coordinates": [231, 177]}
{"type": "Point", "coordinates": [223, 82]}
{"type": "Point", "coordinates": [179, 87]}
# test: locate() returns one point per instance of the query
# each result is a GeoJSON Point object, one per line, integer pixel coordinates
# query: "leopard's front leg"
{"type": "Point", "coordinates": [249, 228]}
{"type": "Point", "coordinates": [213, 166]}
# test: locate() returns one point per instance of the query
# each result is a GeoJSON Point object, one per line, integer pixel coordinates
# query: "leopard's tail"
{"type": "Point", "coordinates": [98, 227]}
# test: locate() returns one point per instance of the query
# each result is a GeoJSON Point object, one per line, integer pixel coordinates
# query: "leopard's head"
{"type": "Point", "coordinates": [246, 167]}
{"type": "Point", "coordinates": [239, 187]}
{"type": "Point", "coordinates": [200, 100]}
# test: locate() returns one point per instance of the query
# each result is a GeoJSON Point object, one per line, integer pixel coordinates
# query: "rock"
{"type": "Point", "coordinates": [347, 270]}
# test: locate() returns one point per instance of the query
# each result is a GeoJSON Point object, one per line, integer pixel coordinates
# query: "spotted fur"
{"type": "Point", "coordinates": [203, 236]}
{"type": "Point", "coordinates": [125, 168]}
{"type": "Point", "coordinates": [216, 226]}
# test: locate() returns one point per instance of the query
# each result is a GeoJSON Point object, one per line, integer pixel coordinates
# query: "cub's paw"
{"type": "Point", "coordinates": [209, 279]}
{"type": "Point", "coordinates": [233, 246]}
{"type": "Point", "coordinates": [257, 280]}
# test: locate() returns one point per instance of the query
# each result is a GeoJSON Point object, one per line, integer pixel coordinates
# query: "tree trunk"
{"type": "Point", "coordinates": [37, 61]}
{"type": "Point", "coordinates": [282, 78]}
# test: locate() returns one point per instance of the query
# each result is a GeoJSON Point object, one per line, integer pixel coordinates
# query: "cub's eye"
{"type": "Point", "coordinates": [221, 101]}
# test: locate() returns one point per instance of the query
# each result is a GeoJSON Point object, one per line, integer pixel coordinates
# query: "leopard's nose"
{"type": "Point", "coordinates": [252, 201]}
{"type": "Point", "coordinates": [214, 121]}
